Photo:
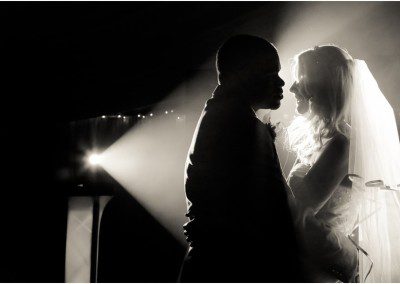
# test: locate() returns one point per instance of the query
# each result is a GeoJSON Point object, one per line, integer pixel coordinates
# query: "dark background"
{"type": "Point", "coordinates": [71, 61]}
{"type": "Point", "coordinates": [64, 62]}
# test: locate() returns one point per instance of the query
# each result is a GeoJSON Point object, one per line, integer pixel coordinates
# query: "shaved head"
{"type": "Point", "coordinates": [245, 53]}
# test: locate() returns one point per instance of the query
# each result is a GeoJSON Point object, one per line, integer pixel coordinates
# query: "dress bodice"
{"type": "Point", "coordinates": [340, 211]}
{"type": "Point", "coordinates": [326, 216]}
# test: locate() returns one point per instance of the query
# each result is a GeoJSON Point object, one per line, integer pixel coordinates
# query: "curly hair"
{"type": "Point", "coordinates": [326, 74]}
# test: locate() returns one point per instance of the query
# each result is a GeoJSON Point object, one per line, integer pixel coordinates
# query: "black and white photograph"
{"type": "Point", "coordinates": [200, 142]}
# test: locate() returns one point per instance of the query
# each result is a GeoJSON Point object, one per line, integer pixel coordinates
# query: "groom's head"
{"type": "Point", "coordinates": [251, 64]}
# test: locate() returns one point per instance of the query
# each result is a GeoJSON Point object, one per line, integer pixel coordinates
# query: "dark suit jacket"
{"type": "Point", "coordinates": [239, 226]}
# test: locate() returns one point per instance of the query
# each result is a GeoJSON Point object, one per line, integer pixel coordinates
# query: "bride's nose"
{"type": "Point", "coordinates": [293, 88]}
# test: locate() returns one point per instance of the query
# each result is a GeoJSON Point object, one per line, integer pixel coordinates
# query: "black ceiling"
{"type": "Point", "coordinates": [83, 59]}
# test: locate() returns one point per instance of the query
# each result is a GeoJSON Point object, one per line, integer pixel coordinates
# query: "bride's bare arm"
{"type": "Point", "coordinates": [326, 174]}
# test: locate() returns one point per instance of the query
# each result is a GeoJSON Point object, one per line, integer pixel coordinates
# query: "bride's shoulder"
{"type": "Point", "coordinates": [336, 146]}
{"type": "Point", "coordinates": [336, 149]}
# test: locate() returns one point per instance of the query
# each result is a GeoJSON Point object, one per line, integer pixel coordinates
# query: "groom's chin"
{"type": "Point", "coordinates": [275, 105]}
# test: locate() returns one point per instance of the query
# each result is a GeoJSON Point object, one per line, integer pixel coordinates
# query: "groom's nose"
{"type": "Point", "coordinates": [280, 82]}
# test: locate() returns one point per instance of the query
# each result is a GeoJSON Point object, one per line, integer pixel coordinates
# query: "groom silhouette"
{"type": "Point", "coordinates": [239, 228]}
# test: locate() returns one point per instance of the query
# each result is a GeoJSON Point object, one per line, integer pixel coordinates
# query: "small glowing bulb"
{"type": "Point", "coordinates": [138, 115]}
{"type": "Point", "coordinates": [95, 159]}
{"type": "Point", "coordinates": [103, 116]}
{"type": "Point", "coordinates": [119, 116]}
{"type": "Point", "coordinates": [166, 112]}
{"type": "Point", "coordinates": [179, 117]}
{"type": "Point", "coordinates": [151, 114]}
{"type": "Point", "coordinates": [143, 116]}
{"type": "Point", "coordinates": [172, 111]}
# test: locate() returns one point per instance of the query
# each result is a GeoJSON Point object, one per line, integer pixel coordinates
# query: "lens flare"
{"type": "Point", "coordinates": [94, 159]}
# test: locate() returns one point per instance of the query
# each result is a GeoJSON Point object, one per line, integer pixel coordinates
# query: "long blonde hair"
{"type": "Point", "coordinates": [327, 82]}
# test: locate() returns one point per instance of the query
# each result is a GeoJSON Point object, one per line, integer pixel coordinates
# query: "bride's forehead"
{"type": "Point", "coordinates": [307, 67]}
{"type": "Point", "coordinates": [301, 69]}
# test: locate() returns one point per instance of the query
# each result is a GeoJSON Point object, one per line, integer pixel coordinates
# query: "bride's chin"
{"type": "Point", "coordinates": [301, 109]}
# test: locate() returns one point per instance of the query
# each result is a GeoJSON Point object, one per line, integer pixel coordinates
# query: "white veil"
{"type": "Point", "coordinates": [374, 166]}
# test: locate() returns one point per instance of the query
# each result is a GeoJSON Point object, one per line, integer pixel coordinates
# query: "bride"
{"type": "Point", "coordinates": [347, 170]}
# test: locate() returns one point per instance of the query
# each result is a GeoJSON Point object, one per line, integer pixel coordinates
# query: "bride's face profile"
{"type": "Point", "coordinates": [321, 77]}
{"type": "Point", "coordinates": [305, 87]}
{"type": "Point", "coordinates": [309, 88]}
{"type": "Point", "coordinates": [300, 94]}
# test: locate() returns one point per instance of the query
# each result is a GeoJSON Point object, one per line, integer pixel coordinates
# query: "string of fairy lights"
{"type": "Point", "coordinates": [149, 115]}
{"type": "Point", "coordinates": [94, 158]}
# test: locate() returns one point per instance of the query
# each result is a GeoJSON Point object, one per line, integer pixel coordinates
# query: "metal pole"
{"type": "Point", "coordinates": [95, 240]}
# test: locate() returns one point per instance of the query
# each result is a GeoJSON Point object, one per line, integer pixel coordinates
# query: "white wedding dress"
{"type": "Point", "coordinates": [357, 230]}
{"type": "Point", "coordinates": [329, 253]}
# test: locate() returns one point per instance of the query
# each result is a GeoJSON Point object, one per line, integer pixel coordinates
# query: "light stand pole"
{"type": "Point", "coordinates": [99, 203]}
{"type": "Point", "coordinates": [95, 240]}
{"type": "Point", "coordinates": [86, 207]}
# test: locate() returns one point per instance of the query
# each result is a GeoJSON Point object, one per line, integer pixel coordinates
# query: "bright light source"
{"type": "Point", "coordinates": [151, 114]}
{"type": "Point", "coordinates": [94, 159]}
{"type": "Point", "coordinates": [172, 110]}
{"type": "Point", "coordinates": [179, 117]}
{"type": "Point", "coordinates": [166, 112]}
{"type": "Point", "coordinates": [103, 116]}
{"type": "Point", "coordinates": [119, 116]}
{"type": "Point", "coordinates": [143, 116]}
{"type": "Point", "coordinates": [138, 115]}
